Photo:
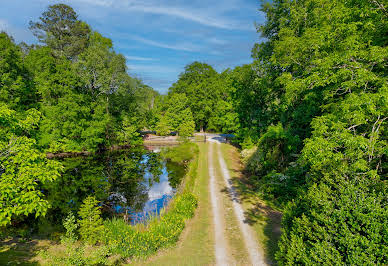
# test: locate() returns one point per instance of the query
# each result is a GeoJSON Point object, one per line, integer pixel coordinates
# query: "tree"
{"type": "Point", "coordinates": [342, 217]}
{"type": "Point", "coordinates": [23, 168]}
{"type": "Point", "coordinates": [177, 116]}
{"type": "Point", "coordinates": [60, 29]}
{"type": "Point", "coordinates": [224, 119]}
{"type": "Point", "coordinates": [91, 225]}
{"type": "Point", "coordinates": [163, 127]}
{"type": "Point", "coordinates": [88, 103]}
{"type": "Point", "coordinates": [199, 82]}
{"type": "Point", "coordinates": [186, 126]}
{"type": "Point", "coordinates": [16, 88]}
{"type": "Point", "coordinates": [324, 64]}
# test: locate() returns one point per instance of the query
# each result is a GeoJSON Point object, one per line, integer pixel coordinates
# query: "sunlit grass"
{"type": "Point", "coordinates": [196, 244]}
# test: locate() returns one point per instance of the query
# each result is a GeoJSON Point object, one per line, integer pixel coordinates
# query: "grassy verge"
{"type": "Point", "coordinates": [265, 220]}
{"type": "Point", "coordinates": [196, 243]}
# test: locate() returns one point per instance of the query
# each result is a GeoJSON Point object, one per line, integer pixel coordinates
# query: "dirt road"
{"type": "Point", "coordinates": [220, 230]}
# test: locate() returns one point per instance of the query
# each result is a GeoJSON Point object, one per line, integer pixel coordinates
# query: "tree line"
{"type": "Point", "coordinates": [69, 93]}
{"type": "Point", "coordinates": [311, 112]}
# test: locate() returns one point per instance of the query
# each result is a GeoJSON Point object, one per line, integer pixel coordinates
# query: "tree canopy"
{"type": "Point", "coordinates": [71, 93]}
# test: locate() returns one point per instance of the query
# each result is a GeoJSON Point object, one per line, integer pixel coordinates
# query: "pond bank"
{"type": "Point", "coordinates": [59, 155]}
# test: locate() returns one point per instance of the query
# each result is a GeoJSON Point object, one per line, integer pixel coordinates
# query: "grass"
{"type": "Point", "coordinates": [196, 244]}
{"type": "Point", "coordinates": [15, 251]}
{"type": "Point", "coordinates": [265, 220]}
{"type": "Point", "coordinates": [199, 138]}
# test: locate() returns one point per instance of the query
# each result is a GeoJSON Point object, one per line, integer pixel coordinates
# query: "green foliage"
{"type": "Point", "coordinates": [163, 127]}
{"type": "Point", "coordinates": [23, 168]}
{"type": "Point", "coordinates": [224, 118]}
{"type": "Point", "coordinates": [60, 29]}
{"type": "Point", "coordinates": [128, 133]}
{"type": "Point", "coordinates": [87, 99]}
{"type": "Point", "coordinates": [177, 117]}
{"type": "Point", "coordinates": [16, 89]}
{"type": "Point", "coordinates": [201, 84]}
{"type": "Point", "coordinates": [91, 223]}
{"type": "Point", "coordinates": [317, 80]}
{"type": "Point", "coordinates": [186, 126]}
{"type": "Point", "coordinates": [342, 223]}
{"type": "Point", "coordinates": [274, 148]}
{"type": "Point", "coordinates": [75, 254]}
{"type": "Point", "coordinates": [182, 153]}
{"type": "Point", "coordinates": [129, 241]}
{"type": "Point", "coordinates": [70, 224]}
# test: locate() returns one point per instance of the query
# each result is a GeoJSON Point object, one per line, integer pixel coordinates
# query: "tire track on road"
{"type": "Point", "coordinates": [220, 243]}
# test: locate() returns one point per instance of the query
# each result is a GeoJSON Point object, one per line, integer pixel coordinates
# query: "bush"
{"type": "Point", "coordinates": [71, 226]}
{"type": "Point", "coordinates": [340, 225]}
{"type": "Point", "coordinates": [91, 224]}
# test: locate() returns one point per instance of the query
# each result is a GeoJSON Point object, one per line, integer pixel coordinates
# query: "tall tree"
{"type": "Point", "coordinates": [177, 116]}
{"type": "Point", "coordinates": [199, 83]}
{"type": "Point", "coordinates": [60, 29]}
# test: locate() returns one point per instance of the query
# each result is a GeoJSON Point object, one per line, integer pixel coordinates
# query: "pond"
{"type": "Point", "coordinates": [137, 181]}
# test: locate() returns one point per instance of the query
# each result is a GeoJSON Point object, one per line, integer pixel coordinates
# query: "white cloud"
{"type": "Point", "coordinates": [215, 40]}
{"type": "Point", "coordinates": [138, 58]}
{"type": "Point", "coordinates": [188, 47]}
{"type": "Point", "coordinates": [198, 16]}
{"type": "Point", "coordinates": [151, 68]}
{"type": "Point", "coordinates": [104, 3]}
{"type": "Point", "coordinates": [159, 189]}
{"type": "Point", "coordinates": [207, 15]}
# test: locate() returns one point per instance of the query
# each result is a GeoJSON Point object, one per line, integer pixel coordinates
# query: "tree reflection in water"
{"type": "Point", "coordinates": [135, 180]}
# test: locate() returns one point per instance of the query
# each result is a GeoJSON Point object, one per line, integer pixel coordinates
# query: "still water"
{"type": "Point", "coordinates": [137, 181]}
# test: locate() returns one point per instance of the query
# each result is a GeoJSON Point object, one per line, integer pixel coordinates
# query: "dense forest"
{"type": "Point", "coordinates": [309, 113]}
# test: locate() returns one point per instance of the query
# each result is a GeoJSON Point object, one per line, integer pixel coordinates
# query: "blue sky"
{"type": "Point", "coordinates": [158, 38]}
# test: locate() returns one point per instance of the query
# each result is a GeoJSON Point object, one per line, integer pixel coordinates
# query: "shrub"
{"type": "Point", "coordinates": [71, 226]}
{"type": "Point", "coordinates": [340, 225]}
{"type": "Point", "coordinates": [91, 223]}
